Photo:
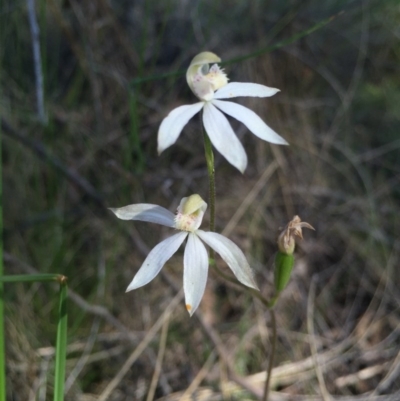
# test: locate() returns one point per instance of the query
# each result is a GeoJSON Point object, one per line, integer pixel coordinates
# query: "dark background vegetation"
{"type": "Point", "coordinates": [105, 96]}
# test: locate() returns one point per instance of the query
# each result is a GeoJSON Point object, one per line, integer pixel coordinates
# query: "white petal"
{"type": "Point", "coordinates": [195, 272]}
{"type": "Point", "coordinates": [231, 254]}
{"type": "Point", "coordinates": [236, 89]}
{"type": "Point", "coordinates": [223, 138]}
{"type": "Point", "coordinates": [156, 259]}
{"type": "Point", "coordinates": [251, 120]}
{"type": "Point", "coordinates": [146, 212]}
{"type": "Point", "coordinates": [173, 124]}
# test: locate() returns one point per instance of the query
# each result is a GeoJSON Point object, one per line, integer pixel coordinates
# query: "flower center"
{"type": "Point", "coordinates": [207, 80]}
{"type": "Point", "coordinates": [186, 222]}
{"type": "Point", "coordinates": [190, 213]}
{"type": "Point", "coordinates": [203, 80]}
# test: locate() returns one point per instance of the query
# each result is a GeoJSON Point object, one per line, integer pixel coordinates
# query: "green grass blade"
{"type": "Point", "coordinates": [268, 49]}
{"type": "Point", "coordinates": [135, 148]}
{"type": "Point", "coordinates": [30, 278]}
{"type": "Point", "coordinates": [282, 43]}
{"type": "Point", "coordinates": [2, 345]}
{"type": "Point", "coordinates": [61, 344]}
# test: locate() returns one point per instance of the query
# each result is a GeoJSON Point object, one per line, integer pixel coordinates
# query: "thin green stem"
{"type": "Point", "coordinates": [135, 148]}
{"type": "Point", "coordinates": [268, 49]}
{"type": "Point", "coordinates": [211, 177]}
{"type": "Point", "coordinates": [61, 343]}
{"type": "Point", "coordinates": [252, 291]}
{"type": "Point", "coordinates": [271, 357]}
{"type": "Point", "coordinates": [268, 304]}
{"type": "Point", "coordinates": [2, 345]}
{"type": "Point", "coordinates": [284, 42]}
{"type": "Point", "coordinates": [24, 278]}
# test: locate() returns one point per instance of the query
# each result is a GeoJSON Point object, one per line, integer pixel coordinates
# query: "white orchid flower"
{"type": "Point", "coordinates": [195, 261]}
{"type": "Point", "coordinates": [210, 85]}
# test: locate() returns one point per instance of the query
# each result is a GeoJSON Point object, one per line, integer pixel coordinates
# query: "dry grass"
{"type": "Point", "coordinates": [338, 321]}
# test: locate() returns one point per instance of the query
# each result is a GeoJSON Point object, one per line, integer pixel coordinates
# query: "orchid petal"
{"type": "Point", "coordinates": [251, 120]}
{"type": "Point", "coordinates": [146, 212]}
{"type": "Point", "coordinates": [231, 254]}
{"type": "Point", "coordinates": [172, 125]}
{"type": "Point", "coordinates": [223, 138]}
{"type": "Point", "coordinates": [236, 89]}
{"type": "Point", "coordinates": [156, 259]}
{"type": "Point", "coordinates": [195, 272]}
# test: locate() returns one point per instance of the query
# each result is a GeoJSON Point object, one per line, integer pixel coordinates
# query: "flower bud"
{"type": "Point", "coordinates": [283, 269]}
{"type": "Point", "coordinates": [284, 259]}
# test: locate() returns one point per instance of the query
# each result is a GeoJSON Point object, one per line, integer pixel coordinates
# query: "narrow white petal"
{"type": "Point", "coordinates": [146, 212]}
{"type": "Point", "coordinates": [156, 259]}
{"type": "Point", "coordinates": [251, 120]}
{"type": "Point", "coordinates": [231, 254]}
{"type": "Point", "coordinates": [195, 272]}
{"type": "Point", "coordinates": [223, 138]}
{"type": "Point", "coordinates": [173, 124]}
{"type": "Point", "coordinates": [236, 89]}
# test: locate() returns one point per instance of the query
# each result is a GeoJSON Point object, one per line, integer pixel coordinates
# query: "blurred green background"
{"type": "Point", "coordinates": [112, 70]}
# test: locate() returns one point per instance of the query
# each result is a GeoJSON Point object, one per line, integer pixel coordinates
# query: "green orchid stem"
{"type": "Point", "coordinates": [274, 300]}
{"type": "Point", "coordinates": [211, 177]}
{"type": "Point", "coordinates": [268, 304]}
{"type": "Point", "coordinates": [271, 357]}
{"type": "Point", "coordinates": [253, 292]}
